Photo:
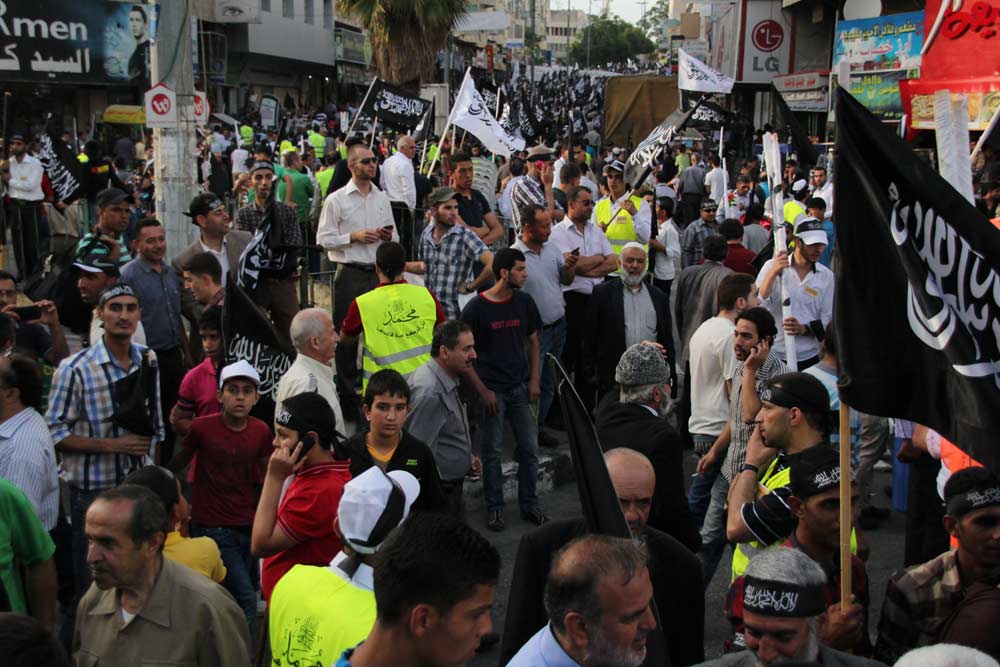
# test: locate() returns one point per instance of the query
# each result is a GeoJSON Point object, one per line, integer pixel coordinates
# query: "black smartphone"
{"type": "Point", "coordinates": [388, 228]}
{"type": "Point", "coordinates": [28, 313]}
{"type": "Point", "coordinates": [308, 442]}
{"type": "Point", "coordinates": [574, 251]}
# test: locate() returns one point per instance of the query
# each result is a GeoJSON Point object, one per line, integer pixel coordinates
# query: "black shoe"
{"type": "Point", "coordinates": [547, 440]}
{"type": "Point", "coordinates": [495, 521]}
{"type": "Point", "coordinates": [488, 641]}
{"type": "Point", "coordinates": [535, 516]}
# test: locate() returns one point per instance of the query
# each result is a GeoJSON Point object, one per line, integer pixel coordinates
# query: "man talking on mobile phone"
{"type": "Point", "coordinates": [297, 527]}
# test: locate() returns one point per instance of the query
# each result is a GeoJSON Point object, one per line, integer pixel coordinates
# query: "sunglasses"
{"type": "Point", "coordinates": [585, 202]}
{"type": "Point", "coordinates": [366, 160]}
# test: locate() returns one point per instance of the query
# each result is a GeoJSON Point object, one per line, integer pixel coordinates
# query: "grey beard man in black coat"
{"type": "Point", "coordinates": [675, 572]}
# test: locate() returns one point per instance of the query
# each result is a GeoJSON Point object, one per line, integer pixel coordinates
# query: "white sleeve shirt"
{"type": "Point", "coordinates": [812, 299]}
{"type": "Point", "coordinates": [347, 211]}
{"type": "Point", "coordinates": [26, 179]}
{"type": "Point", "coordinates": [397, 180]}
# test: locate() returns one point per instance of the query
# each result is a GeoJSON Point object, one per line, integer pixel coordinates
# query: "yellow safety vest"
{"type": "Point", "coordinates": [791, 211]}
{"type": "Point", "coordinates": [318, 142]}
{"type": "Point", "coordinates": [398, 320]}
{"type": "Point", "coordinates": [622, 229]}
{"type": "Point", "coordinates": [747, 550]}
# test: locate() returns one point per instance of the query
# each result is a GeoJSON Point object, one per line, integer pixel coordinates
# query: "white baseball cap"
{"type": "Point", "coordinates": [373, 504]}
{"type": "Point", "coordinates": [239, 369]}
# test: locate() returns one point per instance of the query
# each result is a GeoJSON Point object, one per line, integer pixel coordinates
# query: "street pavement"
{"type": "Point", "coordinates": [886, 543]}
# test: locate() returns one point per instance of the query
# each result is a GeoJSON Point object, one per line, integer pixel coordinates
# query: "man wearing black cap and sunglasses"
{"type": "Point", "coordinates": [794, 417]}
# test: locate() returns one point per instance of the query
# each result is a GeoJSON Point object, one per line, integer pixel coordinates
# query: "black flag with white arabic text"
{"type": "Point", "coordinates": [394, 106]}
{"type": "Point", "coordinates": [918, 290]}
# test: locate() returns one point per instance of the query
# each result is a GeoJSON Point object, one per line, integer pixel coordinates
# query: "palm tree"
{"type": "Point", "coordinates": [406, 34]}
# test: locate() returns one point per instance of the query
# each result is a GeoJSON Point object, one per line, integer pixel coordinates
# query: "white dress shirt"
{"type": "Point", "coordinates": [26, 179]}
{"type": "Point", "coordinates": [591, 242]}
{"type": "Point", "coordinates": [349, 210]}
{"type": "Point", "coordinates": [826, 194]}
{"type": "Point", "coordinates": [716, 185]}
{"type": "Point", "coordinates": [219, 255]}
{"type": "Point", "coordinates": [812, 299]}
{"type": "Point", "coordinates": [397, 180]}
{"type": "Point", "coordinates": [238, 159]}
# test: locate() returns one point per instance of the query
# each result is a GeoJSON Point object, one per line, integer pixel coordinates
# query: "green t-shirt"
{"type": "Point", "coordinates": [302, 192]}
{"type": "Point", "coordinates": [87, 246]}
{"type": "Point", "coordinates": [315, 615]}
{"type": "Point", "coordinates": [23, 541]}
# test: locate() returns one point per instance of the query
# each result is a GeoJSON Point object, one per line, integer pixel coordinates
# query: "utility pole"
{"type": "Point", "coordinates": [174, 149]}
{"type": "Point", "coordinates": [590, 28]}
{"type": "Point", "coordinates": [531, 51]}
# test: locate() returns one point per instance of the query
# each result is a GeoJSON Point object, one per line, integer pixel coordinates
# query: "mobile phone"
{"type": "Point", "coordinates": [28, 313]}
{"type": "Point", "coordinates": [308, 442]}
{"type": "Point", "coordinates": [574, 251]}
{"type": "Point", "coordinates": [387, 228]}
{"type": "Point", "coordinates": [540, 165]}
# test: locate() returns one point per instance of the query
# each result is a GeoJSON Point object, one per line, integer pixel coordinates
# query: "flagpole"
{"type": "Point", "coordinates": [496, 114]}
{"type": "Point", "coordinates": [448, 124]}
{"type": "Point", "coordinates": [845, 504]}
{"type": "Point", "coordinates": [358, 114]}
{"type": "Point", "coordinates": [986, 133]}
{"type": "Point", "coordinates": [772, 161]}
{"type": "Point", "coordinates": [371, 142]}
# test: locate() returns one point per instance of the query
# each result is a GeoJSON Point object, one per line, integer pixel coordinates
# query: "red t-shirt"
{"type": "Point", "coordinates": [352, 321]}
{"type": "Point", "coordinates": [740, 259]}
{"type": "Point", "coordinates": [199, 390]}
{"type": "Point", "coordinates": [228, 472]}
{"type": "Point", "coordinates": [306, 515]}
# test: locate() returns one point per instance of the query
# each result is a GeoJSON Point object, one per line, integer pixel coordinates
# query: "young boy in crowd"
{"type": "Point", "coordinates": [297, 528]}
{"type": "Point", "coordinates": [199, 392]}
{"type": "Point", "coordinates": [232, 448]}
{"type": "Point", "coordinates": [386, 443]}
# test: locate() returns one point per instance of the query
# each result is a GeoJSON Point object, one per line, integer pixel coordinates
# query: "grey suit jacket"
{"type": "Point", "coordinates": [236, 242]}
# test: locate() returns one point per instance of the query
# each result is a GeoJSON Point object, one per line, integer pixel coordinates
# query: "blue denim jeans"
{"type": "Point", "coordinates": [512, 406]}
{"type": "Point", "coordinates": [713, 529]}
{"type": "Point", "coordinates": [79, 501]}
{"type": "Point", "coordinates": [552, 340]}
{"type": "Point", "coordinates": [700, 492]}
{"type": "Point", "coordinates": [242, 575]}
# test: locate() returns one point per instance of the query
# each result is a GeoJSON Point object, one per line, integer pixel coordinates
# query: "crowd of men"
{"type": "Point", "coordinates": [155, 509]}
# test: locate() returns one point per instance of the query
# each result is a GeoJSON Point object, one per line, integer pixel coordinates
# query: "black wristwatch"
{"type": "Point", "coordinates": [749, 466]}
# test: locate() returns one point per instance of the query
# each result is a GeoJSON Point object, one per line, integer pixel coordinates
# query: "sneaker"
{"type": "Point", "coordinates": [547, 440]}
{"type": "Point", "coordinates": [495, 521]}
{"type": "Point", "coordinates": [535, 516]}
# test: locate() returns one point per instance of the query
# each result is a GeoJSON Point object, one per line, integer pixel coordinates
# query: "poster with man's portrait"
{"type": "Point", "coordinates": [128, 36]}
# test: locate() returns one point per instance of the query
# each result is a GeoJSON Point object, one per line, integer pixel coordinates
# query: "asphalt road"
{"type": "Point", "coordinates": [886, 545]}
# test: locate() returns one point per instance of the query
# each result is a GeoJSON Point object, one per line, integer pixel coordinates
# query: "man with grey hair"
{"type": "Point", "coordinates": [397, 173]}
{"type": "Point", "coordinates": [783, 608]}
{"type": "Point", "coordinates": [637, 422]}
{"type": "Point", "coordinates": [315, 340]}
{"type": "Point", "coordinates": [598, 598]}
{"type": "Point", "coordinates": [622, 313]}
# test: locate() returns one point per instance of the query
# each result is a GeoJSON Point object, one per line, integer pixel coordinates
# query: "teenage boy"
{"type": "Point", "coordinates": [297, 527]}
{"type": "Point", "coordinates": [199, 393]}
{"type": "Point", "coordinates": [232, 447]}
{"type": "Point", "coordinates": [386, 443]}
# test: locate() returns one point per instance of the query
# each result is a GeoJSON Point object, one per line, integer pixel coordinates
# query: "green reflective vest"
{"type": "Point", "coordinates": [621, 230]}
{"type": "Point", "coordinates": [398, 320]}
{"type": "Point", "coordinates": [247, 133]}
{"type": "Point", "coordinates": [323, 179]}
{"type": "Point", "coordinates": [746, 550]}
{"type": "Point", "coordinates": [318, 142]}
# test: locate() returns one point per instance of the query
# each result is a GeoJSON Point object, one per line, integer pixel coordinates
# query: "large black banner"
{"type": "Point", "coordinates": [918, 290]}
{"type": "Point", "coordinates": [395, 107]}
{"type": "Point", "coordinates": [68, 41]}
{"type": "Point", "coordinates": [709, 116]}
{"type": "Point", "coordinates": [792, 129]}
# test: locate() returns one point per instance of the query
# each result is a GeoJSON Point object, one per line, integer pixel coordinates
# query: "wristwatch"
{"type": "Point", "coordinates": [749, 466]}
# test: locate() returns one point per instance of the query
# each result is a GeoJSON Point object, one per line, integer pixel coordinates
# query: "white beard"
{"type": "Point", "coordinates": [633, 280]}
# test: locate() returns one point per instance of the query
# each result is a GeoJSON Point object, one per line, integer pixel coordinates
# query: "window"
{"type": "Point", "coordinates": [310, 12]}
{"type": "Point", "coordinates": [288, 8]}
{"type": "Point", "coordinates": [328, 14]}
{"type": "Point", "coordinates": [265, 5]}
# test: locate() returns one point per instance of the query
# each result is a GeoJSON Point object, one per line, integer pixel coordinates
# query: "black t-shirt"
{"type": "Point", "coordinates": [501, 330]}
{"type": "Point", "coordinates": [473, 209]}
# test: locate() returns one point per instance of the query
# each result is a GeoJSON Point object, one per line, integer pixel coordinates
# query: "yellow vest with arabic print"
{"type": "Point", "coordinates": [398, 320]}
{"type": "Point", "coordinates": [622, 229]}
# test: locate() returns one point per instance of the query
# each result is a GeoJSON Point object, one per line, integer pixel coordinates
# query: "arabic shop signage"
{"type": "Point", "coordinates": [879, 92]}
{"type": "Point", "coordinates": [880, 44]}
{"type": "Point", "coordinates": [69, 41]}
{"type": "Point", "coordinates": [963, 40]}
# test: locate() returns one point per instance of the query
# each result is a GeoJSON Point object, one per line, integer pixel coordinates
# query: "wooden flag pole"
{"type": "Point", "coordinates": [845, 503]}
{"type": "Point", "coordinates": [371, 142]}
{"type": "Point", "coordinates": [358, 114]}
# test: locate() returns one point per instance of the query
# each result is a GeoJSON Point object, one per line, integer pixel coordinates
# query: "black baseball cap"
{"type": "Point", "coordinates": [95, 262]}
{"type": "Point", "coordinates": [17, 136]}
{"type": "Point", "coordinates": [709, 205]}
{"type": "Point", "coordinates": [815, 471]}
{"type": "Point", "coordinates": [111, 196]}
{"type": "Point", "coordinates": [798, 390]}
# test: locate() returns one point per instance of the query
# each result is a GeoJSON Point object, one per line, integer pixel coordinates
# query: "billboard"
{"type": "Point", "coordinates": [766, 49]}
{"type": "Point", "coordinates": [880, 44]}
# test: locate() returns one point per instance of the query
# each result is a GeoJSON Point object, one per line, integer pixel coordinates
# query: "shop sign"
{"type": "Point", "coordinates": [64, 41]}
{"type": "Point", "coordinates": [767, 42]}
{"type": "Point", "coordinates": [350, 46]}
{"type": "Point", "coordinates": [983, 98]}
{"type": "Point", "coordinates": [966, 41]}
{"type": "Point", "coordinates": [806, 91]}
{"type": "Point", "coordinates": [880, 44]}
{"type": "Point", "coordinates": [879, 92]}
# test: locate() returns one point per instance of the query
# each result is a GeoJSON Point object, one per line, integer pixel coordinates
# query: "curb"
{"type": "Point", "coordinates": [555, 468]}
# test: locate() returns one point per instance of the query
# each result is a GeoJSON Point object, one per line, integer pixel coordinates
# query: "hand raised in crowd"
{"type": "Point", "coordinates": [548, 175]}
{"type": "Point", "coordinates": [50, 316]}
{"type": "Point", "coordinates": [130, 444]}
{"type": "Point", "coordinates": [780, 263]}
{"type": "Point", "coordinates": [841, 627]}
{"type": "Point", "coordinates": [367, 236]}
{"type": "Point", "coordinates": [629, 207]}
{"type": "Point", "coordinates": [758, 453]}
{"type": "Point", "coordinates": [757, 355]}
{"type": "Point", "coordinates": [284, 462]}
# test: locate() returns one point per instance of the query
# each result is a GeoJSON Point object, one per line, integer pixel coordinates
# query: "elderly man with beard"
{"type": "Point", "coordinates": [637, 421]}
{"type": "Point", "coordinates": [622, 313]}
{"type": "Point", "coordinates": [784, 605]}
{"type": "Point", "coordinates": [598, 598]}
{"type": "Point", "coordinates": [674, 571]}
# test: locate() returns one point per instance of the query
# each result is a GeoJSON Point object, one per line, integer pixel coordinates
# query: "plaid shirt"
{"type": "Point", "coordinates": [741, 430]}
{"type": "Point", "coordinates": [448, 263]}
{"type": "Point", "coordinates": [526, 191]}
{"type": "Point", "coordinates": [81, 404]}
{"type": "Point", "coordinates": [917, 603]}
{"type": "Point", "coordinates": [249, 218]}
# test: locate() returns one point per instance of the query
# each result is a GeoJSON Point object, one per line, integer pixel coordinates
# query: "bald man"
{"type": "Point", "coordinates": [674, 570]}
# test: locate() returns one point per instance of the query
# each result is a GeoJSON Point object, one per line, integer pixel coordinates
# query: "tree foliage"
{"type": "Point", "coordinates": [405, 34]}
{"type": "Point", "coordinates": [612, 40]}
{"type": "Point", "coordinates": [654, 18]}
